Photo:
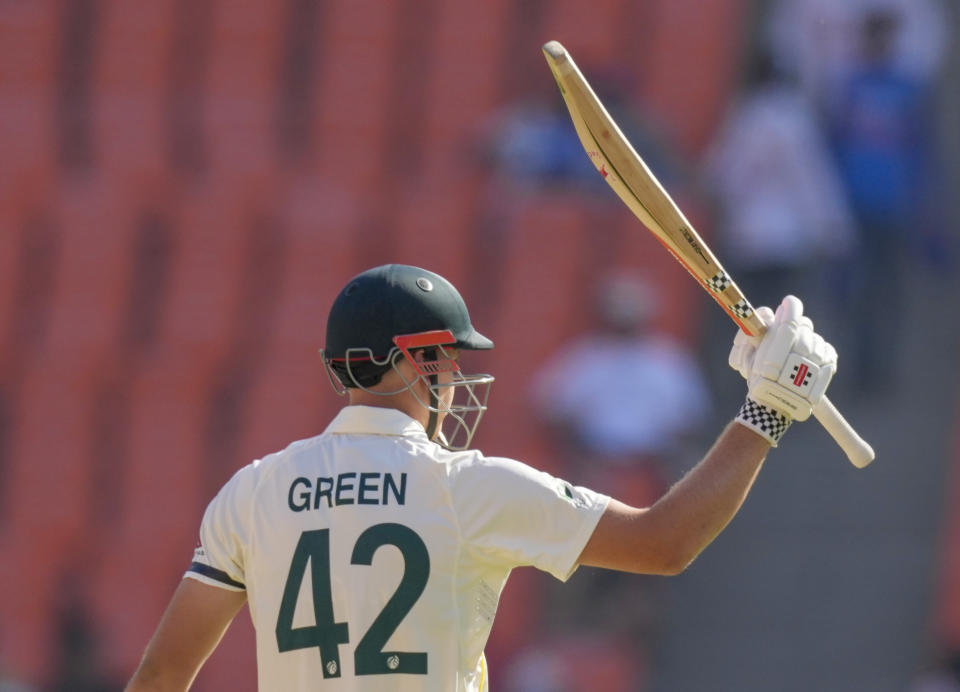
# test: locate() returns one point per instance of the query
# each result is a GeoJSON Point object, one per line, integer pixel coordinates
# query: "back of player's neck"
{"type": "Point", "coordinates": [405, 402]}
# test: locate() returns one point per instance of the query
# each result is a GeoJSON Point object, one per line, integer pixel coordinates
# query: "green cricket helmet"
{"type": "Point", "coordinates": [385, 314]}
{"type": "Point", "coordinates": [394, 299]}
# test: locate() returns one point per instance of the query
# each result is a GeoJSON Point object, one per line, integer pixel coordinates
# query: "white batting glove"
{"type": "Point", "coordinates": [787, 370]}
{"type": "Point", "coordinates": [745, 347]}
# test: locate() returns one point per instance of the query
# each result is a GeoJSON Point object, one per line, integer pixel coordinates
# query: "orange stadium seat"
{"type": "Point", "coordinates": [167, 483]}
{"type": "Point", "coordinates": [28, 245]}
{"type": "Point", "coordinates": [131, 84]}
{"type": "Point", "coordinates": [253, 246]}
{"type": "Point", "coordinates": [241, 86]}
{"type": "Point", "coordinates": [217, 263]}
{"type": "Point", "coordinates": [28, 51]}
{"type": "Point", "coordinates": [542, 303]}
{"type": "Point", "coordinates": [82, 361]}
{"type": "Point", "coordinates": [587, 30]}
{"type": "Point", "coordinates": [356, 59]}
{"type": "Point", "coordinates": [53, 438]}
{"type": "Point", "coordinates": [687, 88]}
{"type": "Point", "coordinates": [59, 421]}
{"type": "Point", "coordinates": [319, 218]}
{"type": "Point", "coordinates": [162, 501]}
{"type": "Point", "coordinates": [465, 83]}
{"type": "Point", "coordinates": [11, 243]}
{"type": "Point", "coordinates": [432, 223]}
{"type": "Point", "coordinates": [98, 218]}
{"type": "Point", "coordinates": [292, 398]}
{"type": "Point", "coordinates": [49, 502]}
{"type": "Point", "coordinates": [212, 226]}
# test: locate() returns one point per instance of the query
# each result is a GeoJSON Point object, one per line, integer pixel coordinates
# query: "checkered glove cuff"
{"type": "Point", "coordinates": [763, 420]}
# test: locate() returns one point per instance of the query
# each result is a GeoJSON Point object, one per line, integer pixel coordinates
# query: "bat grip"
{"type": "Point", "coordinates": [858, 450]}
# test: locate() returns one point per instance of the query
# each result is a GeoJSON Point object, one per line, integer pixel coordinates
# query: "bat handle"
{"type": "Point", "coordinates": [858, 450]}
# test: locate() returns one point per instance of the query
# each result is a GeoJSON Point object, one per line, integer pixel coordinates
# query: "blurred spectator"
{"type": "Point", "coordinates": [531, 146]}
{"type": "Point", "coordinates": [817, 39]}
{"type": "Point", "coordinates": [533, 143]}
{"type": "Point", "coordinates": [10, 684]}
{"type": "Point", "coordinates": [881, 129]}
{"type": "Point", "coordinates": [621, 400]}
{"type": "Point", "coordinates": [782, 206]}
{"type": "Point", "coordinates": [620, 403]}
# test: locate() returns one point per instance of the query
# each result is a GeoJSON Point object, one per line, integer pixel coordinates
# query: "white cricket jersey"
{"type": "Point", "coordinates": [374, 559]}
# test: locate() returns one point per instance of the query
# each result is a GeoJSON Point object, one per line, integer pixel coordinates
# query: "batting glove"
{"type": "Point", "coordinates": [787, 370]}
{"type": "Point", "coordinates": [745, 346]}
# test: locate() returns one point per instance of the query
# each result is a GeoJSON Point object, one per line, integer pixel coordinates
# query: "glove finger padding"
{"type": "Point", "coordinates": [779, 340]}
{"type": "Point", "coordinates": [745, 347]}
{"type": "Point", "coordinates": [825, 354]}
{"type": "Point", "coordinates": [789, 310]}
{"type": "Point", "coordinates": [766, 315]}
{"type": "Point", "coordinates": [741, 354]}
{"type": "Point", "coordinates": [793, 365]}
{"type": "Point", "coordinates": [804, 342]}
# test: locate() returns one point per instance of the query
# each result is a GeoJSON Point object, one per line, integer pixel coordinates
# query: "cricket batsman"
{"type": "Point", "coordinates": [372, 556]}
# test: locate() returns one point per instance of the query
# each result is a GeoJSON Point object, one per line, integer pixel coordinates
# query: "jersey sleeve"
{"type": "Point", "coordinates": [219, 557]}
{"type": "Point", "coordinates": [515, 515]}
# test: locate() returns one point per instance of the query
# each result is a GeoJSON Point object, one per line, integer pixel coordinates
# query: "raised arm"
{"type": "Point", "coordinates": [787, 372]}
{"type": "Point", "coordinates": [666, 537]}
{"type": "Point", "coordinates": [189, 631]}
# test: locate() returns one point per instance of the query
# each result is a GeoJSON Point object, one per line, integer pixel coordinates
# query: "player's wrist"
{"type": "Point", "coordinates": [775, 396]}
{"type": "Point", "coordinates": [764, 420]}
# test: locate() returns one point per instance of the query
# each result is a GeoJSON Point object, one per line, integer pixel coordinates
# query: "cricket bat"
{"type": "Point", "coordinates": [631, 179]}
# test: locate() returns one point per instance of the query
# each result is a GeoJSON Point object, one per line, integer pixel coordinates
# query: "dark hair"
{"type": "Point", "coordinates": [364, 373]}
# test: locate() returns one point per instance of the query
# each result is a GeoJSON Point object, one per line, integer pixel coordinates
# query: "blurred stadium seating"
{"type": "Point", "coordinates": [183, 188]}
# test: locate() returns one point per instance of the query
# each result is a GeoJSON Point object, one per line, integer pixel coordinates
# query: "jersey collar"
{"type": "Point", "coordinates": [373, 420]}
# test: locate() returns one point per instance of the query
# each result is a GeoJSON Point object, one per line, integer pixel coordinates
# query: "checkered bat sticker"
{"type": "Point", "coordinates": [719, 283]}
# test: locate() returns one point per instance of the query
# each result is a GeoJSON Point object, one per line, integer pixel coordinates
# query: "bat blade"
{"type": "Point", "coordinates": [638, 188]}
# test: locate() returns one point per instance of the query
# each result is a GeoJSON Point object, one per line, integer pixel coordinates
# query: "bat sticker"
{"type": "Point", "coordinates": [719, 283]}
{"type": "Point", "coordinates": [742, 309]}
